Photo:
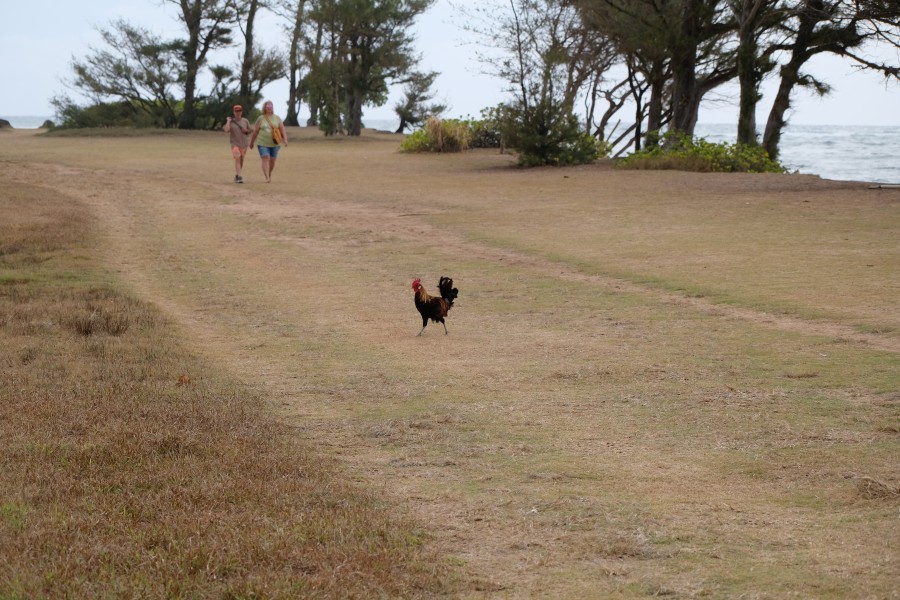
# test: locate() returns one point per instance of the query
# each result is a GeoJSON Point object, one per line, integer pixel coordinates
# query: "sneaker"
{"type": "Point", "coordinates": [240, 179]}
{"type": "Point", "coordinates": [237, 178]}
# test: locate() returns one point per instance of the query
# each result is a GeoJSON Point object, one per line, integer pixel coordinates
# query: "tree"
{"type": "Point", "coordinates": [324, 82]}
{"type": "Point", "coordinates": [754, 20]}
{"type": "Point", "coordinates": [137, 68]}
{"type": "Point", "coordinates": [257, 68]}
{"type": "Point", "coordinates": [548, 59]}
{"type": "Point", "coordinates": [696, 45]}
{"type": "Point", "coordinates": [320, 76]}
{"type": "Point", "coordinates": [378, 49]}
{"type": "Point", "coordinates": [635, 31]}
{"type": "Point", "coordinates": [362, 46]}
{"type": "Point", "coordinates": [413, 109]}
{"type": "Point", "coordinates": [540, 47]}
{"type": "Point", "coordinates": [294, 12]}
{"type": "Point", "coordinates": [839, 26]}
{"type": "Point", "coordinates": [205, 21]}
{"type": "Point", "coordinates": [245, 19]}
{"type": "Point", "coordinates": [694, 41]}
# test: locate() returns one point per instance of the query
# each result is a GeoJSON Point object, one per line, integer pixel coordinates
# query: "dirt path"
{"type": "Point", "coordinates": [536, 439]}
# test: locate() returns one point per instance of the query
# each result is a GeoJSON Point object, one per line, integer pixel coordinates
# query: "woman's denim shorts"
{"type": "Point", "coordinates": [268, 151]}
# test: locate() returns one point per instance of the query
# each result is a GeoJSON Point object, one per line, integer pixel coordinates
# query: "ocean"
{"type": "Point", "coordinates": [843, 152]}
{"type": "Point", "coordinates": [852, 153]}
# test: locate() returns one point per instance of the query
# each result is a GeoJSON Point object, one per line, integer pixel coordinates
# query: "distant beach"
{"type": "Point", "coordinates": [841, 152]}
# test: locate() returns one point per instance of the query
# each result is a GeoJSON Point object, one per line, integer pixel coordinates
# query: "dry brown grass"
{"type": "Point", "coordinates": [119, 482]}
{"type": "Point", "coordinates": [654, 383]}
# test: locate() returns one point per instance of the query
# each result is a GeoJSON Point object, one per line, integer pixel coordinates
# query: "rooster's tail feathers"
{"type": "Point", "coordinates": [448, 292]}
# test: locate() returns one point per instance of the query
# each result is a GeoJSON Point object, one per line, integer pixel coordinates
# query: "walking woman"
{"type": "Point", "coordinates": [269, 129]}
{"type": "Point", "coordinates": [238, 130]}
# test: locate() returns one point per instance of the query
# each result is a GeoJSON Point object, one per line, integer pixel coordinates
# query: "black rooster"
{"type": "Point", "coordinates": [431, 307]}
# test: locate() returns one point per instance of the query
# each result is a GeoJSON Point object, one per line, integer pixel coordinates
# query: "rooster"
{"type": "Point", "coordinates": [431, 307]}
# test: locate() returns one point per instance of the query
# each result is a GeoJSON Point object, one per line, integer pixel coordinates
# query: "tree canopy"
{"type": "Point", "coordinates": [576, 62]}
{"type": "Point", "coordinates": [664, 57]}
{"type": "Point", "coordinates": [341, 56]}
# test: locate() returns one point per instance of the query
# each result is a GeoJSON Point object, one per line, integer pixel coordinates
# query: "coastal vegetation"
{"type": "Point", "coordinates": [659, 61]}
{"type": "Point", "coordinates": [589, 65]}
{"type": "Point", "coordinates": [568, 145]}
{"type": "Point", "coordinates": [348, 51]}
{"type": "Point", "coordinates": [679, 152]}
{"type": "Point", "coordinates": [537, 139]}
{"type": "Point", "coordinates": [439, 135]}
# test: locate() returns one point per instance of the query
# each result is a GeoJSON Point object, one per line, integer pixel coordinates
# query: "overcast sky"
{"type": "Point", "coordinates": [39, 38]}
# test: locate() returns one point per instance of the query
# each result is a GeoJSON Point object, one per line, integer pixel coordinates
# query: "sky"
{"type": "Point", "coordinates": [41, 37]}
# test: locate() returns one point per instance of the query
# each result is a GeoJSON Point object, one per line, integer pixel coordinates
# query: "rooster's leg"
{"type": "Point", "coordinates": [445, 328]}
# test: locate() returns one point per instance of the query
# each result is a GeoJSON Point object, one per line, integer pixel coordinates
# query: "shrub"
{"type": "Point", "coordinates": [485, 132]}
{"type": "Point", "coordinates": [102, 114]}
{"type": "Point", "coordinates": [546, 134]}
{"type": "Point", "coordinates": [679, 152]}
{"type": "Point", "coordinates": [539, 138]}
{"type": "Point", "coordinates": [208, 114]}
{"type": "Point", "coordinates": [451, 135]}
{"type": "Point", "coordinates": [417, 141]}
{"type": "Point", "coordinates": [438, 135]}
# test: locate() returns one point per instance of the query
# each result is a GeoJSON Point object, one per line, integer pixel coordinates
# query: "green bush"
{"type": "Point", "coordinates": [417, 141]}
{"type": "Point", "coordinates": [546, 134]}
{"type": "Point", "coordinates": [679, 152]}
{"type": "Point", "coordinates": [538, 138]}
{"type": "Point", "coordinates": [485, 132]}
{"type": "Point", "coordinates": [209, 114]}
{"type": "Point", "coordinates": [102, 114]}
{"type": "Point", "coordinates": [452, 135]}
{"type": "Point", "coordinates": [438, 135]}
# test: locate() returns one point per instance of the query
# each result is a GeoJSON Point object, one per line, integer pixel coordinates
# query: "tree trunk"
{"type": "Point", "coordinates": [749, 71]}
{"type": "Point", "coordinates": [638, 94]}
{"type": "Point", "coordinates": [354, 112]}
{"type": "Point", "coordinates": [191, 15]}
{"type": "Point", "coordinates": [790, 75]}
{"type": "Point", "coordinates": [748, 78]}
{"type": "Point", "coordinates": [188, 114]}
{"type": "Point", "coordinates": [685, 103]}
{"type": "Point", "coordinates": [292, 118]}
{"type": "Point", "coordinates": [655, 107]}
{"type": "Point", "coordinates": [316, 98]}
{"type": "Point", "coordinates": [195, 14]}
{"type": "Point", "coordinates": [781, 104]}
{"type": "Point", "coordinates": [244, 90]}
{"type": "Point", "coordinates": [749, 98]}
{"type": "Point", "coordinates": [355, 94]}
{"type": "Point", "coordinates": [684, 71]}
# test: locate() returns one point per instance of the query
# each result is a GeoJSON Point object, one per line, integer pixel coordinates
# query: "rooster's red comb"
{"type": "Point", "coordinates": [416, 283]}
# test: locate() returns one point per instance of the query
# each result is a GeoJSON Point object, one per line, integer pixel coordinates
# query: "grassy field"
{"type": "Point", "coordinates": [122, 476]}
{"type": "Point", "coordinates": [654, 383]}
